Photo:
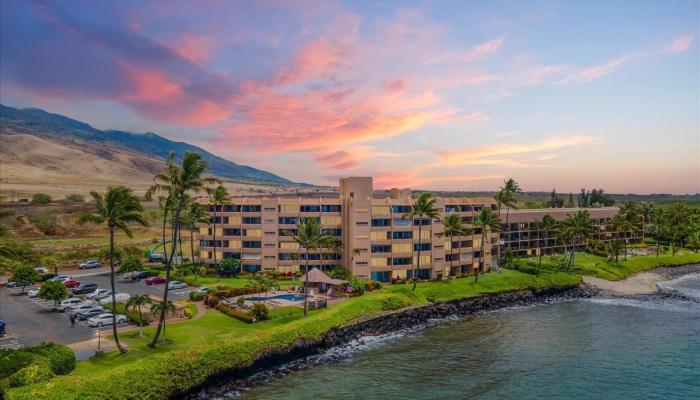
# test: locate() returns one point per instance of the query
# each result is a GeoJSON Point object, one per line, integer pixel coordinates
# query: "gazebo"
{"type": "Point", "coordinates": [322, 282]}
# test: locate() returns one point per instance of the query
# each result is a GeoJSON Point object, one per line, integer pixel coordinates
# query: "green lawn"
{"type": "Point", "coordinates": [592, 265]}
{"type": "Point", "coordinates": [240, 282]}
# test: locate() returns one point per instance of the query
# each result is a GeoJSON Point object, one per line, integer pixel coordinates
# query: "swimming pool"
{"type": "Point", "coordinates": [286, 296]}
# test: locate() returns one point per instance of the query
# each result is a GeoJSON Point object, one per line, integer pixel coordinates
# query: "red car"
{"type": "Point", "coordinates": [71, 283]}
{"type": "Point", "coordinates": [155, 280]}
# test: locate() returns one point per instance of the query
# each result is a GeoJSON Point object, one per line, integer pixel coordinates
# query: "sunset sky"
{"type": "Point", "coordinates": [433, 95]}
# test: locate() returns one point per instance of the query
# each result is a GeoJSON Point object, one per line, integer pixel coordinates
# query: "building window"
{"type": "Point", "coordinates": [421, 247]}
{"type": "Point", "coordinates": [227, 254]}
{"type": "Point", "coordinates": [380, 210]}
{"type": "Point", "coordinates": [402, 235]}
{"type": "Point", "coordinates": [451, 209]}
{"type": "Point", "coordinates": [401, 222]}
{"type": "Point", "coordinates": [400, 209]}
{"type": "Point", "coordinates": [380, 235]}
{"type": "Point", "coordinates": [232, 232]}
{"type": "Point", "coordinates": [251, 244]}
{"type": "Point", "coordinates": [422, 222]}
{"type": "Point", "coordinates": [251, 208]}
{"type": "Point", "coordinates": [288, 232]}
{"type": "Point", "coordinates": [335, 232]}
{"type": "Point", "coordinates": [288, 220]}
{"type": "Point", "coordinates": [381, 222]}
{"type": "Point", "coordinates": [401, 260]}
{"type": "Point", "coordinates": [384, 276]}
{"type": "Point", "coordinates": [381, 248]}
{"type": "Point", "coordinates": [310, 208]}
{"type": "Point", "coordinates": [361, 223]}
{"type": "Point", "coordinates": [251, 220]}
{"type": "Point", "coordinates": [422, 273]}
{"type": "Point", "coordinates": [330, 208]}
{"type": "Point", "coordinates": [232, 208]}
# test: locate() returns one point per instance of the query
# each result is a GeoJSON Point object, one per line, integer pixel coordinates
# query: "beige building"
{"type": "Point", "coordinates": [377, 241]}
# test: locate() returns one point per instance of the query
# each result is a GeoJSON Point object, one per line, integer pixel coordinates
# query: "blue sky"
{"type": "Point", "coordinates": [429, 94]}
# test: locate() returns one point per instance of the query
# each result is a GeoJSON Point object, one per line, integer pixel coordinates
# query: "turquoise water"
{"type": "Point", "coordinates": [290, 297]}
{"type": "Point", "coordinates": [643, 348]}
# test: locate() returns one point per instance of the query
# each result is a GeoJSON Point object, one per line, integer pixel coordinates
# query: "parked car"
{"type": "Point", "coordinates": [85, 288]}
{"type": "Point", "coordinates": [89, 313]}
{"type": "Point", "coordinates": [2, 328]}
{"type": "Point", "coordinates": [60, 278]}
{"type": "Point", "coordinates": [98, 294]}
{"type": "Point", "coordinates": [201, 290]}
{"type": "Point", "coordinates": [174, 285]}
{"type": "Point", "coordinates": [106, 319]}
{"type": "Point", "coordinates": [155, 280]}
{"type": "Point", "coordinates": [120, 297]}
{"type": "Point", "coordinates": [41, 270]}
{"type": "Point", "coordinates": [18, 284]}
{"type": "Point", "coordinates": [73, 311]}
{"type": "Point", "coordinates": [63, 305]}
{"type": "Point", "coordinates": [89, 264]}
{"type": "Point", "coordinates": [71, 283]}
{"type": "Point", "coordinates": [136, 275]}
{"type": "Point", "coordinates": [33, 293]}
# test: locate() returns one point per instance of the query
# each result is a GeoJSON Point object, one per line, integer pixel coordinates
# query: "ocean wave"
{"type": "Point", "coordinates": [687, 285]}
{"type": "Point", "coordinates": [651, 303]}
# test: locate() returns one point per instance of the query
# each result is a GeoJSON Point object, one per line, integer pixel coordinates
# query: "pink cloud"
{"type": "Point", "coordinates": [195, 48]}
{"type": "Point", "coordinates": [589, 74]}
{"type": "Point", "coordinates": [680, 44]}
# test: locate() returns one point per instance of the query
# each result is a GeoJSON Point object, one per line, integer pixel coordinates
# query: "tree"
{"type": "Point", "coordinates": [570, 203]}
{"type": "Point", "coordinates": [453, 226]}
{"type": "Point", "coordinates": [130, 264]}
{"type": "Point", "coordinates": [501, 198]}
{"type": "Point", "coordinates": [53, 290]}
{"type": "Point", "coordinates": [162, 307]}
{"type": "Point", "coordinates": [423, 207]}
{"type": "Point", "coordinates": [485, 222]}
{"type": "Point", "coordinates": [544, 227]}
{"type": "Point", "coordinates": [135, 302]}
{"type": "Point", "coordinates": [646, 212]}
{"type": "Point", "coordinates": [555, 201]}
{"type": "Point", "coordinates": [229, 266]}
{"type": "Point", "coordinates": [50, 262]}
{"type": "Point", "coordinates": [310, 237]}
{"type": "Point", "coordinates": [624, 225]}
{"type": "Point", "coordinates": [578, 226]}
{"type": "Point", "coordinates": [176, 183]}
{"type": "Point", "coordinates": [510, 189]}
{"type": "Point", "coordinates": [24, 275]}
{"type": "Point", "coordinates": [217, 196]}
{"type": "Point", "coordinates": [75, 198]}
{"type": "Point", "coordinates": [694, 240]}
{"type": "Point", "coordinates": [614, 248]}
{"type": "Point", "coordinates": [117, 208]}
{"type": "Point", "coordinates": [194, 215]}
{"type": "Point", "coordinates": [41, 198]}
{"type": "Point", "coordinates": [675, 219]}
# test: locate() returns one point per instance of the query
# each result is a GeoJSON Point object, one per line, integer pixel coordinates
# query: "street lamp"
{"type": "Point", "coordinates": [99, 352]}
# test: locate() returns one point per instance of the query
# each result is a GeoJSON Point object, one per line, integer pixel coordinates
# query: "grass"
{"type": "Point", "coordinates": [210, 281]}
{"type": "Point", "coordinates": [592, 265]}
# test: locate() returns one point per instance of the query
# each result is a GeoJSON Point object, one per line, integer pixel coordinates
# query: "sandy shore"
{"type": "Point", "coordinates": [641, 283]}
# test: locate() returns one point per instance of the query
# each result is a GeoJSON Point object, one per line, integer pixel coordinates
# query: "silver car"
{"type": "Point", "coordinates": [106, 319]}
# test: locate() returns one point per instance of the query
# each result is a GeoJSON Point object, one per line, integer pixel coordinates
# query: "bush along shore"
{"type": "Point", "coordinates": [388, 322]}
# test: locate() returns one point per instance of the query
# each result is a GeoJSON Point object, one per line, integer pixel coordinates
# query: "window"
{"type": "Point", "coordinates": [228, 254]}
{"type": "Point", "coordinates": [361, 223]}
{"type": "Point", "coordinates": [251, 220]}
{"type": "Point", "coordinates": [422, 222]}
{"type": "Point", "coordinates": [219, 220]}
{"type": "Point", "coordinates": [270, 233]}
{"type": "Point", "coordinates": [232, 208]}
{"type": "Point", "coordinates": [466, 208]}
{"type": "Point", "coordinates": [381, 248]}
{"type": "Point", "coordinates": [401, 222]}
{"type": "Point", "coordinates": [401, 261]}
{"type": "Point", "coordinates": [269, 257]}
{"type": "Point", "coordinates": [400, 209]}
{"type": "Point", "coordinates": [384, 276]}
{"type": "Point", "coordinates": [380, 210]}
{"type": "Point", "coordinates": [252, 232]}
{"type": "Point", "coordinates": [421, 247]}
{"type": "Point", "coordinates": [232, 232]}
{"type": "Point", "coordinates": [380, 261]}
{"type": "Point", "coordinates": [401, 248]}
{"type": "Point", "coordinates": [424, 259]}
{"type": "Point", "coordinates": [288, 232]}
{"type": "Point", "coordinates": [251, 244]}
{"type": "Point", "coordinates": [251, 256]}
{"type": "Point", "coordinates": [381, 222]}
{"type": "Point", "coordinates": [251, 268]}
{"type": "Point", "coordinates": [451, 209]}
{"type": "Point", "coordinates": [380, 235]}
{"type": "Point", "coordinates": [424, 234]}
{"type": "Point", "coordinates": [307, 208]}
{"type": "Point", "coordinates": [330, 208]}
{"type": "Point", "coordinates": [289, 245]}
{"type": "Point", "coordinates": [334, 232]}
{"type": "Point", "coordinates": [270, 208]}
{"type": "Point", "coordinates": [289, 208]}
{"type": "Point", "coordinates": [251, 208]}
{"type": "Point", "coordinates": [288, 220]}
{"type": "Point", "coordinates": [234, 244]}
{"type": "Point", "coordinates": [234, 220]}
{"type": "Point", "coordinates": [422, 273]}
{"type": "Point", "coordinates": [402, 235]}
{"type": "Point", "coordinates": [330, 220]}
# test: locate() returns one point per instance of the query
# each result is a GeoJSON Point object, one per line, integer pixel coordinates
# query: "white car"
{"type": "Point", "coordinates": [33, 293]}
{"type": "Point", "coordinates": [98, 294]}
{"type": "Point", "coordinates": [41, 270]}
{"type": "Point", "coordinates": [73, 311]}
{"type": "Point", "coordinates": [106, 319]}
{"type": "Point", "coordinates": [60, 278]}
{"type": "Point", "coordinates": [173, 285]}
{"type": "Point", "coordinates": [201, 290]}
{"type": "Point", "coordinates": [65, 304]}
{"type": "Point", "coordinates": [120, 297]}
{"type": "Point", "coordinates": [89, 264]}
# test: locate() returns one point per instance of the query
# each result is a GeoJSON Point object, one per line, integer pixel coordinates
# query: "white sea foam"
{"type": "Point", "coordinates": [656, 303]}
{"type": "Point", "coordinates": [687, 285]}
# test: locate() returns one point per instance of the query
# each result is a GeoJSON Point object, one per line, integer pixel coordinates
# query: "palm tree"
{"type": "Point", "coordinates": [453, 226]}
{"type": "Point", "coordinates": [217, 196]}
{"type": "Point", "coordinates": [310, 237]}
{"type": "Point", "coordinates": [614, 248]}
{"type": "Point", "coordinates": [675, 219]}
{"type": "Point", "coordinates": [486, 221]}
{"type": "Point", "coordinates": [624, 226]}
{"type": "Point", "coordinates": [544, 226]}
{"type": "Point", "coordinates": [162, 307]}
{"type": "Point", "coordinates": [578, 226]}
{"type": "Point", "coordinates": [117, 208]}
{"type": "Point", "coordinates": [509, 190]}
{"type": "Point", "coordinates": [177, 182]}
{"type": "Point", "coordinates": [501, 198]}
{"type": "Point", "coordinates": [422, 207]}
{"type": "Point", "coordinates": [647, 212]}
{"type": "Point", "coordinates": [194, 215]}
{"type": "Point", "coordinates": [135, 302]}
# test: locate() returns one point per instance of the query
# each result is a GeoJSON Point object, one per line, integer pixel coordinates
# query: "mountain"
{"type": "Point", "coordinates": [134, 147]}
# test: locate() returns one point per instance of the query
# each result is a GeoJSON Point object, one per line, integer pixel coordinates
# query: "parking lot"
{"type": "Point", "coordinates": [31, 320]}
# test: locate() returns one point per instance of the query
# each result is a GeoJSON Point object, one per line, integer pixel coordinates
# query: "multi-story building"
{"type": "Point", "coordinates": [378, 242]}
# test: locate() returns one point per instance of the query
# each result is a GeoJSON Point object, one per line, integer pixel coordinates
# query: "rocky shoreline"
{"type": "Point", "coordinates": [301, 355]}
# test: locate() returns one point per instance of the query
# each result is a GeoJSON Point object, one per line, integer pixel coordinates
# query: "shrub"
{"type": "Point", "coordinates": [394, 303]}
{"type": "Point", "coordinates": [75, 198]}
{"type": "Point", "coordinates": [41, 198]}
{"type": "Point", "coordinates": [238, 314]}
{"type": "Point", "coordinates": [260, 312]}
{"type": "Point", "coordinates": [240, 301]}
{"type": "Point", "coordinates": [131, 314]}
{"type": "Point", "coordinates": [224, 287]}
{"type": "Point", "coordinates": [528, 269]}
{"type": "Point", "coordinates": [37, 372]}
{"type": "Point", "coordinates": [190, 310]}
{"type": "Point", "coordinates": [357, 285]}
{"type": "Point", "coordinates": [211, 300]}
{"type": "Point", "coordinates": [61, 357]}
{"type": "Point", "coordinates": [373, 285]}
{"type": "Point", "coordinates": [14, 360]}
{"type": "Point", "coordinates": [196, 296]}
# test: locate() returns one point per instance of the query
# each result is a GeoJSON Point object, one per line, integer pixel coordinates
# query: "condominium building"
{"type": "Point", "coordinates": [378, 241]}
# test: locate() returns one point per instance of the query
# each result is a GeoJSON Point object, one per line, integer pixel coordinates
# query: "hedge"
{"type": "Point", "coordinates": [62, 358]}
{"type": "Point", "coordinates": [190, 310]}
{"type": "Point", "coordinates": [235, 313]}
{"type": "Point", "coordinates": [131, 314]}
{"type": "Point", "coordinates": [32, 365]}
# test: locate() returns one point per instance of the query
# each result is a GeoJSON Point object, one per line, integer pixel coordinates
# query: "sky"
{"type": "Point", "coordinates": [441, 95]}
